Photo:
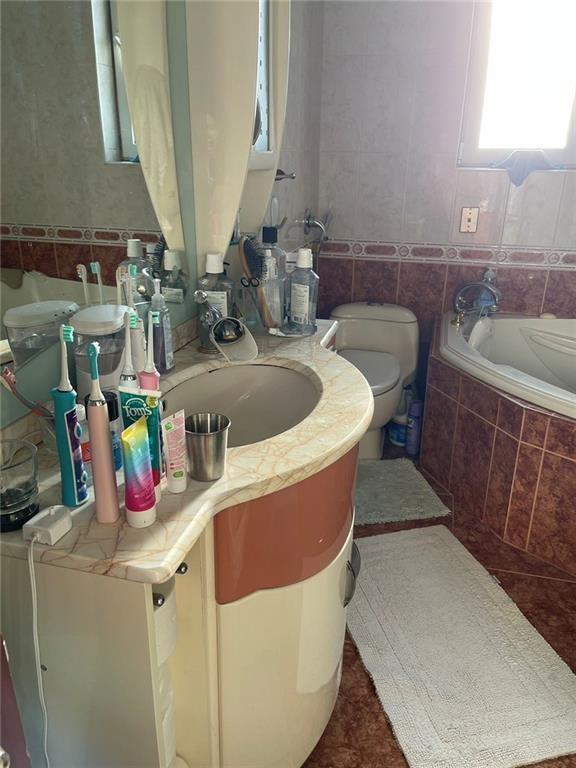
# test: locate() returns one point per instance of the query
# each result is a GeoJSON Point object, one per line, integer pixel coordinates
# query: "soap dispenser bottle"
{"type": "Point", "coordinates": [303, 295]}
{"type": "Point", "coordinates": [220, 291]}
{"type": "Point", "coordinates": [162, 332]}
{"type": "Point", "coordinates": [143, 286]}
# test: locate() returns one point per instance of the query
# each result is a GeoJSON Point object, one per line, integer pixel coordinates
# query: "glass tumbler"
{"type": "Point", "coordinates": [18, 483]}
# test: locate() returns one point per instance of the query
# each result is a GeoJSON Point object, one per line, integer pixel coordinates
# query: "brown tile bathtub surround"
{"type": "Point", "coordinates": [553, 532]}
{"type": "Point", "coordinates": [510, 415]}
{"type": "Point", "coordinates": [535, 427]}
{"type": "Point", "coordinates": [561, 438]}
{"type": "Point", "coordinates": [473, 444]}
{"type": "Point", "coordinates": [109, 257]}
{"type": "Point", "coordinates": [519, 476]}
{"type": "Point", "coordinates": [438, 435]}
{"type": "Point", "coordinates": [522, 290]}
{"type": "Point", "coordinates": [500, 481]}
{"type": "Point", "coordinates": [523, 495]}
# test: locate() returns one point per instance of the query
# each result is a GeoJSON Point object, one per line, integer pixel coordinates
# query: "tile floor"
{"type": "Point", "coordinates": [359, 735]}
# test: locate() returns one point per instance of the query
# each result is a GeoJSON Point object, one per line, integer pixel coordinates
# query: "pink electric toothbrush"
{"type": "Point", "coordinates": [105, 491]}
{"type": "Point", "coordinates": [149, 378]}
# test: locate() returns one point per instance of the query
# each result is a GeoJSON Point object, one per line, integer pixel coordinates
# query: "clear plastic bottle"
{"type": "Point", "coordinates": [270, 241]}
{"type": "Point", "coordinates": [162, 332]}
{"type": "Point", "coordinates": [303, 295]}
{"type": "Point", "coordinates": [220, 291]}
{"type": "Point", "coordinates": [174, 284]}
{"type": "Point", "coordinates": [143, 284]}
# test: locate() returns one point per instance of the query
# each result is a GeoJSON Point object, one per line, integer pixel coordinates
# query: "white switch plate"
{"type": "Point", "coordinates": [469, 219]}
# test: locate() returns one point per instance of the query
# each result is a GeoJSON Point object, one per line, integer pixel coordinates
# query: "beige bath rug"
{"type": "Point", "coordinates": [465, 679]}
{"type": "Point", "coordinates": [388, 491]}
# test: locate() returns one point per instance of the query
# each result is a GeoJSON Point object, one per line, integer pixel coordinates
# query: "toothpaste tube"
{"type": "Point", "coordinates": [139, 483]}
{"type": "Point", "coordinates": [174, 440]}
{"type": "Point", "coordinates": [136, 403]}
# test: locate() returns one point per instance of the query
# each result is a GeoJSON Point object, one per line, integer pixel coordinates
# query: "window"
{"type": "Point", "coordinates": [522, 82]}
{"type": "Point", "coordinates": [117, 131]}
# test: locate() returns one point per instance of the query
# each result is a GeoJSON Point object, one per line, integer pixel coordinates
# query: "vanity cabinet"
{"type": "Point", "coordinates": [234, 661]}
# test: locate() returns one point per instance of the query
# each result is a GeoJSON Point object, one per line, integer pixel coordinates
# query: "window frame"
{"type": "Point", "coordinates": [470, 155]}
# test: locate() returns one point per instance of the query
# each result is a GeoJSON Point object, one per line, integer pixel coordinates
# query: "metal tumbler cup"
{"type": "Point", "coordinates": [206, 443]}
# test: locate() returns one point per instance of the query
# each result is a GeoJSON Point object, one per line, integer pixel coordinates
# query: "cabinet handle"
{"type": "Point", "coordinates": [352, 570]}
{"type": "Point", "coordinates": [158, 600]}
{"type": "Point", "coordinates": [4, 759]}
{"type": "Point", "coordinates": [182, 569]}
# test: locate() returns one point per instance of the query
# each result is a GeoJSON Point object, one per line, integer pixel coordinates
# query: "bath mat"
{"type": "Point", "coordinates": [465, 679]}
{"type": "Point", "coordinates": [387, 491]}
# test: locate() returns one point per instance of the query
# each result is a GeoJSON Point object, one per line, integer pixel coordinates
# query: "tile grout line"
{"type": "Point", "coordinates": [571, 580]}
{"type": "Point", "coordinates": [486, 493]}
{"type": "Point", "coordinates": [543, 302]}
{"type": "Point", "coordinates": [452, 445]}
{"type": "Point", "coordinates": [537, 488]}
{"type": "Point", "coordinates": [513, 474]}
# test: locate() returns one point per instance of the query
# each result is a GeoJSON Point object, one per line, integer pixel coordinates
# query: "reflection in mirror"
{"type": "Point", "coordinates": [70, 197]}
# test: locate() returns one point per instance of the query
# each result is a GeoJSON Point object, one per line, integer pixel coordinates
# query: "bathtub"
{"type": "Point", "coordinates": [528, 357]}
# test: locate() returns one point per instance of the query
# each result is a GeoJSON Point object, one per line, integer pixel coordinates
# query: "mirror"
{"type": "Point", "coordinates": [65, 200]}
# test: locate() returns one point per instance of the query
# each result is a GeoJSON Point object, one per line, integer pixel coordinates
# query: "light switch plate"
{"type": "Point", "coordinates": [469, 219]}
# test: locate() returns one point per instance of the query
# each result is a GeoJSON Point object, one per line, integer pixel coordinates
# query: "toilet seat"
{"type": "Point", "coordinates": [380, 369]}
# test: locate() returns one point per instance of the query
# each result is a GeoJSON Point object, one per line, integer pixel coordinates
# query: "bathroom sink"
{"type": "Point", "coordinates": [260, 400]}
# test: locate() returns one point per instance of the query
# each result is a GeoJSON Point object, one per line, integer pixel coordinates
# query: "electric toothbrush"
{"type": "Point", "coordinates": [128, 377]}
{"type": "Point", "coordinates": [82, 273]}
{"type": "Point", "coordinates": [68, 432]}
{"type": "Point", "coordinates": [120, 277]}
{"type": "Point", "coordinates": [105, 492]}
{"type": "Point", "coordinates": [149, 378]}
{"type": "Point", "coordinates": [95, 269]}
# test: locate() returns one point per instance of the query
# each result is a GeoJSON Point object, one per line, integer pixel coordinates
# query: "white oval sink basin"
{"type": "Point", "coordinates": [260, 400]}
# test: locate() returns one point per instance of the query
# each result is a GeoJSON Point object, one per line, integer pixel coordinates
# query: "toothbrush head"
{"type": "Point", "coordinates": [66, 334]}
{"type": "Point", "coordinates": [95, 268]}
{"type": "Point", "coordinates": [93, 351]}
{"type": "Point", "coordinates": [133, 319]}
{"type": "Point", "coordinates": [81, 271]}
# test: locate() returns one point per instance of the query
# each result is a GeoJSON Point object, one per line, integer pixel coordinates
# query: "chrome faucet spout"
{"type": "Point", "coordinates": [312, 222]}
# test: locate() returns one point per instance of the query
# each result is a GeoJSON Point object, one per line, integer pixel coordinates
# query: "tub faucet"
{"type": "Point", "coordinates": [463, 307]}
{"type": "Point", "coordinates": [312, 222]}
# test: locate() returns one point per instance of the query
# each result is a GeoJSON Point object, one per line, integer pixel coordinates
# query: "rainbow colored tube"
{"type": "Point", "coordinates": [135, 403]}
{"type": "Point", "coordinates": [139, 483]}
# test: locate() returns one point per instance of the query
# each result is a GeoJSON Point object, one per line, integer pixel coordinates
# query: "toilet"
{"type": "Point", "coordinates": [381, 340]}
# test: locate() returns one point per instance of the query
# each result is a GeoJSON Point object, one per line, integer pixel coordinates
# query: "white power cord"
{"type": "Point", "coordinates": [37, 645]}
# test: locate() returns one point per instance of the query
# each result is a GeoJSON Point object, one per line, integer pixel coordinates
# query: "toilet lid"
{"type": "Point", "coordinates": [380, 369]}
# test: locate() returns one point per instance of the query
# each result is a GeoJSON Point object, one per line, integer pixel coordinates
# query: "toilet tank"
{"type": "Point", "coordinates": [380, 327]}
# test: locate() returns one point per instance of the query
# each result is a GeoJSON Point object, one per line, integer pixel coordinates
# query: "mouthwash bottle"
{"type": "Point", "coordinates": [303, 295]}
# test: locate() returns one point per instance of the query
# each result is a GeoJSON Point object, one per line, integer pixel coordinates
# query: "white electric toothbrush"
{"type": "Point", "coordinates": [128, 377]}
{"type": "Point", "coordinates": [120, 278]}
{"type": "Point", "coordinates": [82, 273]}
{"type": "Point", "coordinates": [95, 269]}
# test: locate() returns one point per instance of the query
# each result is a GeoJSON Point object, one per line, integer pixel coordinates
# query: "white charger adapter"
{"type": "Point", "coordinates": [49, 525]}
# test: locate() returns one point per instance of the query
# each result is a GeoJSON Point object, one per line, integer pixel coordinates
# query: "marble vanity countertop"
{"type": "Point", "coordinates": [152, 554]}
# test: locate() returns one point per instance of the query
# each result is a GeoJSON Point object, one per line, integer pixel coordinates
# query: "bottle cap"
{"type": "Point", "coordinates": [135, 249]}
{"type": "Point", "coordinates": [214, 263]}
{"type": "Point", "coordinates": [172, 259]}
{"type": "Point", "coordinates": [270, 235]}
{"type": "Point", "coordinates": [304, 260]}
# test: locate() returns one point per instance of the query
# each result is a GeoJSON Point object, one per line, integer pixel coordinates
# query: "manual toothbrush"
{"type": "Point", "coordinates": [95, 269]}
{"type": "Point", "coordinates": [82, 273]}
{"type": "Point", "coordinates": [105, 492]}
{"type": "Point", "coordinates": [74, 489]}
{"type": "Point", "coordinates": [8, 380]}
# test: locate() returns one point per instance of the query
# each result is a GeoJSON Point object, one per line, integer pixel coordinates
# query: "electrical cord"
{"type": "Point", "coordinates": [37, 646]}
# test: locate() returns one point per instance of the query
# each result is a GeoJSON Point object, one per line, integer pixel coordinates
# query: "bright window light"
{"type": "Point", "coordinates": [531, 76]}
